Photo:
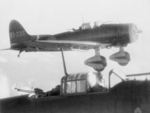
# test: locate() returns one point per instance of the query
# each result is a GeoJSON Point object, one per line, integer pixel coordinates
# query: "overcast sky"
{"type": "Point", "coordinates": [44, 70]}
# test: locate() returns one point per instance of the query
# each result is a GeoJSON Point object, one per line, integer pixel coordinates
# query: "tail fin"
{"type": "Point", "coordinates": [17, 33]}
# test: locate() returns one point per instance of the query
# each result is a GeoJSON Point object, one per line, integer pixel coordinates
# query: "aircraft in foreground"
{"type": "Point", "coordinates": [81, 92]}
{"type": "Point", "coordinates": [76, 95]}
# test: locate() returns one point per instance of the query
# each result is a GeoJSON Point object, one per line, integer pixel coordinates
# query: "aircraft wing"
{"type": "Point", "coordinates": [67, 44]}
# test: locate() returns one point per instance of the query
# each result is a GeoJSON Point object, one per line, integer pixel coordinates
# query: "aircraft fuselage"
{"type": "Point", "coordinates": [106, 35]}
{"type": "Point", "coordinates": [126, 97]}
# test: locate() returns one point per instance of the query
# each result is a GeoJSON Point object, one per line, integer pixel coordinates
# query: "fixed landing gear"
{"type": "Point", "coordinates": [121, 57]}
{"type": "Point", "coordinates": [97, 62]}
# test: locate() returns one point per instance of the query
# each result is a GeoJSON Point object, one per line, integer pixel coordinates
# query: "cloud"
{"type": "Point", "coordinates": [4, 85]}
{"type": "Point", "coordinates": [3, 60]}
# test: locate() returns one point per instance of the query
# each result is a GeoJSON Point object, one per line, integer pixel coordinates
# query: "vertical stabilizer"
{"type": "Point", "coordinates": [17, 33]}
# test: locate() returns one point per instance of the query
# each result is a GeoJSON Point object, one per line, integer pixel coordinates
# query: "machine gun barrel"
{"type": "Point", "coordinates": [23, 90]}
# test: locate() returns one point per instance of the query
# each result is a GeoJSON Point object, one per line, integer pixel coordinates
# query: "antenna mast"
{"type": "Point", "coordinates": [64, 64]}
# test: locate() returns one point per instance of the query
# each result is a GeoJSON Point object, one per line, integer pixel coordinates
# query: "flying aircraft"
{"type": "Point", "coordinates": [83, 38]}
{"type": "Point", "coordinates": [103, 36]}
